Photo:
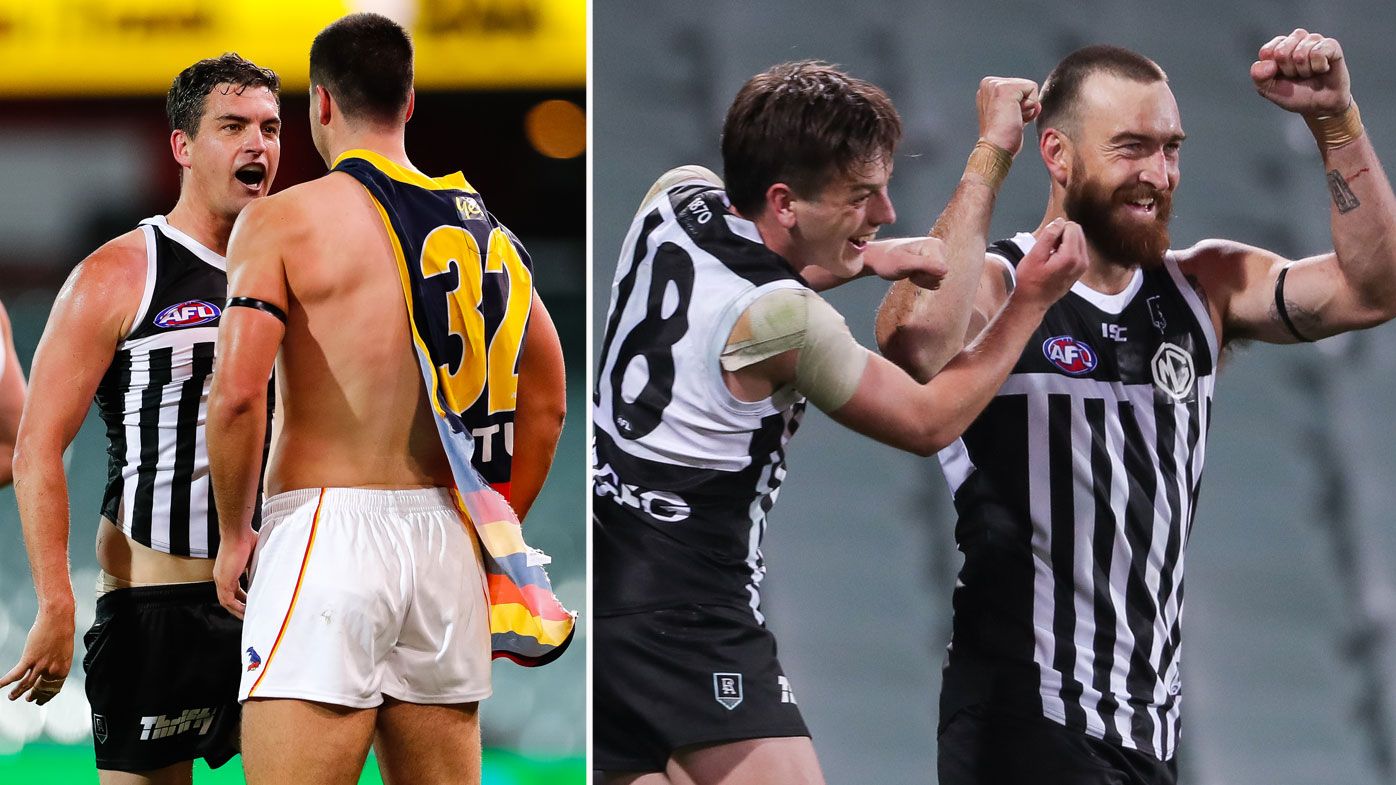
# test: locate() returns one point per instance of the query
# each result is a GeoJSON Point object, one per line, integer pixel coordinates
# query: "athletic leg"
{"type": "Point", "coordinates": [422, 744]}
{"type": "Point", "coordinates": [632, 778]}
{"type": "Point", "coordinates": [181, 773]}
{"type": "Point", "coordinates": [295, 742]}
{"type": "Point", "coordinates": [789, 761]}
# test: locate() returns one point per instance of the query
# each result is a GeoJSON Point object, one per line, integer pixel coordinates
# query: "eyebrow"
{"type": "Point", "coordinates": [243, 119]}
{"type": "Point", "coordinates": [1130, 136]}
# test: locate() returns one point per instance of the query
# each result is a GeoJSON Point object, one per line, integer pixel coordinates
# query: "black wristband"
{"type": "Point", "coordinates": [261, 305]}
{"type": "Point", "coordinates": [1284, 311]}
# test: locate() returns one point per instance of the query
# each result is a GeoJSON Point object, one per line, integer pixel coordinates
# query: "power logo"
{"type": "Point", "coordinates": [727, 689]}
{"type": "Point", "coordinates": [160, 726]}
{"type": "Point", "coordinates": [188, 314]}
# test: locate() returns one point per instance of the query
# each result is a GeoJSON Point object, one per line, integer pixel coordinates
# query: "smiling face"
{"type": "Point", "coordinates": [832, 228]}
{"type": "Point", "coordinates": [232, 159]}
{"type": "Point", "coordinates": [1125, 143]}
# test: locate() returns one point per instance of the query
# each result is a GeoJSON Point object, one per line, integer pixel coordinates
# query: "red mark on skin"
{"type": "Point", "coordinates": [1358, 173]}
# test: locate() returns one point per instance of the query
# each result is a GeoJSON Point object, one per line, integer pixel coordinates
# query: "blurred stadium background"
{"type": "Point", "coordinates": [1290, 665]}
{"type": "Point", "coordinates": [84, 155]}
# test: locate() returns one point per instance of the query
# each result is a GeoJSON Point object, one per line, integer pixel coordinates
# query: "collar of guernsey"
{"type": "Point", "coordinates": [527, 622]}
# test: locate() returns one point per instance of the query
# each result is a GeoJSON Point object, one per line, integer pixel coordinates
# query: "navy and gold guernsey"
{"type": "Point", "coordinates": [468, 286]}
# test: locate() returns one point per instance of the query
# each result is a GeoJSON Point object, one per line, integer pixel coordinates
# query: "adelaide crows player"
{"type": "Point", "coordinates": [402, 319]}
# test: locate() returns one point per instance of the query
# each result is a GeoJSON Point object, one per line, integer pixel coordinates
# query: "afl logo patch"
{"type": "Point", "coordinates": [1070, 355]}
{"type": "Point", "coordinates": [188, 314]}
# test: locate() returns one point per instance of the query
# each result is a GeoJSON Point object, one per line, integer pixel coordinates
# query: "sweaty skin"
{"type": "Point", "coordinates": [352, 410]}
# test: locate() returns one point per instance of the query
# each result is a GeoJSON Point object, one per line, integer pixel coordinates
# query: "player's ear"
{"type": "Point", "coordinates": [1057, 154]}
{"type": "Point", "coordinates": [411, 104]}
{"type": "Point", "coordinates": [780, 201]}
{"type": "Point", "coordinates": [324, 105]}
{"type": "Point", "coordinates": [179, 145]}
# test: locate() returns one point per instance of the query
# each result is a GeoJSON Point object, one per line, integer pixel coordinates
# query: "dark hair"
{"type": "Point", "coordinates": [365, 62]}
{"type": "Point", "coordinates": [1061, 90]}
{"type": "Point", "coordinates": [184, 104]}
{"type": "Point", "coordinates": [800, 124]}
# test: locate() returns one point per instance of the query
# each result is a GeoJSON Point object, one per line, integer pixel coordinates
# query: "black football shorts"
{"type": "Point", "coordinates": [986, 745]}
{"type": "Point", "coordinates": [666, 679]}
{"type": "Point", "coordinates": [162, 677]}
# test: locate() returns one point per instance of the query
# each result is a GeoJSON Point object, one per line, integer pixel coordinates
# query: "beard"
{"type": "Point", "coordinates": [1120, 240]}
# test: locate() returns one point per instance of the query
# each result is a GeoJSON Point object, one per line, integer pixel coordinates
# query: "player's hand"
{"type": "Point", "coordinates": [920, 260]}
{"type": "Point", "coordinates": [1053, 265]}
{"type": "Point", "coordinates": [1006, 105]}
{"type": "Point", "coordinates": [47, 658]}
{"type": "Point", "coordinates": [1303, 72]}
{"type": "Point", "coordinates": [228, 568]}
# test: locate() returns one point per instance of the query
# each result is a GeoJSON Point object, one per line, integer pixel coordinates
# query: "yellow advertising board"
{"type": "Point", "coordinates": [132, 47]}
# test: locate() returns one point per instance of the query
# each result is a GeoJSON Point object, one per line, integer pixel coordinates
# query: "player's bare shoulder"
{"type": "Point", "coordinates": [272, 221]}
{"type": "Point", "coordinates": [107, 285]}
{"type": "Point", "coordinates": [1217, 269]}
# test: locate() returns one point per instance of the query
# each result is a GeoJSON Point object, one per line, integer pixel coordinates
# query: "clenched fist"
{"type": "Point", "coordinates": [1303, 72]}
{"type": "Point", "coordinates": [1006, 105]}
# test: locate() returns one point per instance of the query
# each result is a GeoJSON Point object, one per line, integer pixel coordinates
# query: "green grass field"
{"type": "Point", "coordinates": [57, 764]}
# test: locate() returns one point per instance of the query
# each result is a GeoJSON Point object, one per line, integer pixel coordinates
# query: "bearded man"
{"type": "Point", "coordinates": [1076, 488]}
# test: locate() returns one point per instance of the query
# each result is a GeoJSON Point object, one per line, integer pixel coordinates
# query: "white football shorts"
{"type": "Point", "coordinates": [357, 594]}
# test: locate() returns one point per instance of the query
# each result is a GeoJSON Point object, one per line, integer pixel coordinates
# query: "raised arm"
{"type": "Point", "coordinates": [91, 315]}
{"type": "Point", "coordinates": [919, 329]}
{"type": "Point", "coordinates": [1259, 295]}
{"type": "Point", "coordinates": [249, 338]}
{"type": "Point", "coordinates": [870, 395]}
{"type": "Point", "coordinates": [11, 398]}
{"type": "Point", "coordinates": [540, 409]}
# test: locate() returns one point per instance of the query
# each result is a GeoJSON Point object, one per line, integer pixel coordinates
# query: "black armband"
{"type": "Point", "coordinates": [261, 305]}
{"type": "Point", "coordinates": [1283, 310]}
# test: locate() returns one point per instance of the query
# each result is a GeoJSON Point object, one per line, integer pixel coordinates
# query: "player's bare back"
{"type": "Point", "coordinates": [351, 407]}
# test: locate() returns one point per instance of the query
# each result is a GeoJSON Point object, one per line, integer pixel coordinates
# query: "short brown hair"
{"type": "Point", "coordinates": [184, 103]}
{"type": "Point", "coordinates": [365, 62]}
{"type": "Point", "coordinates": [1061, 90]}
{"type": "Point", "coordinates": [800, 124]}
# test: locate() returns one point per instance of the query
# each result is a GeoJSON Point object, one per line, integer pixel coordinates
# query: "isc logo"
{"type": "Point", "coordinates": [187, 314]}
{"type": "Point", "coordinates": [1070, 355]}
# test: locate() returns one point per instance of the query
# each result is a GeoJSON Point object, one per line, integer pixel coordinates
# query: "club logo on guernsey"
{"type": "Point", "coordinates": [1070, 355]}
{"type": "Point", "coordinates": [188, 314]}
{"type": "Point", "coordinates": [727, 689]}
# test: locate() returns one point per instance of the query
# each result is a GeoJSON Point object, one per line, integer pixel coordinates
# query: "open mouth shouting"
{"type": "Point", "coordinates": [252, 175]}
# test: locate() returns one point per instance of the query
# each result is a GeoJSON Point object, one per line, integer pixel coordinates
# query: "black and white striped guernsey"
{"type": "Point", "coordinates": [154, 399]}
{"type": "Point", "coordinates": [685, 473]}
{"type": "Point", "coordinates": [1076, 491]}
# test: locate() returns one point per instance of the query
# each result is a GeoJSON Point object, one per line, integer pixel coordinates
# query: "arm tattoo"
{"type": "Point", "coordinates": [1343, 197]}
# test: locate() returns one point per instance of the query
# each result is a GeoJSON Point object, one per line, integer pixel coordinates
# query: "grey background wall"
{"type": "Point", "coordinates": [1288, 655]}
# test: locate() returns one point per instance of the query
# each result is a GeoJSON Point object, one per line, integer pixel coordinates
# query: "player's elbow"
{"type": "Point", "coordinates": [908, 348]}
{"type": "Point", "coordinates": [7, 474]}
{"type": "Point", "coordinates": [230, 401]}
{"type": "Point", "coordinates": [29, 457]}
{"type": "Point", "coordinates": [931, 439]}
